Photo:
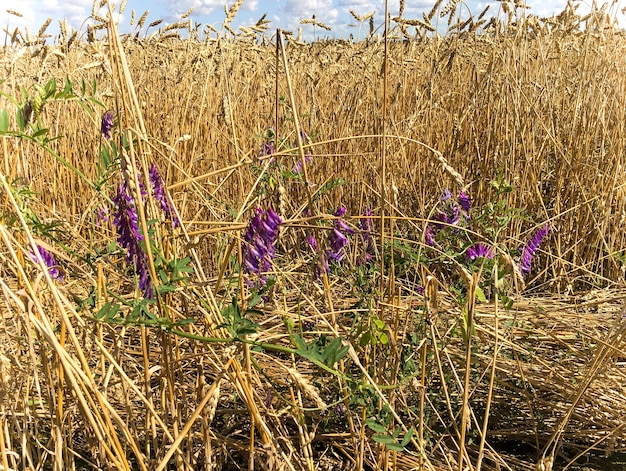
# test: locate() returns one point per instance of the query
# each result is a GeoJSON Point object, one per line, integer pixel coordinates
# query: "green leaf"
{"type": "Point", "coordinates": [407, 437]}
{"type": "Point", "coordinates": [394, 446]}
{"type": "Point", "coordinates": [375, 426]}
{"type": "Point", "coordinates": [480, 295]}
{"type": "Point", "coordinates": [383, 338]}
{"type": "Point", "coordinates": [4, 121]}
{"type": "Point", "coordinates": [385, 439]}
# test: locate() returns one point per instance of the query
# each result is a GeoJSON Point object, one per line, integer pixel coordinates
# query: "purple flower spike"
{"type": "Point", "coordinates": [259, 250]}
{"type": "Point", "coordinates": [429, 236]}
{"type": "Point", "coordinates": [479, 250]}
{"type": "Point", "coordinates": [297, 168]}
{"type": "Point", "coordinates": [54, 270]}
{"type": "Point", "coordinates": [528, 253]}
{"type": "Point", "coordinates": [160, 194]}
{"type": "Point", "coordinates": [464, 201]}
{"type": "Point", "coordinates": [447, 194]}
{"type": "Point", "coordinates": [337, 239]}
{"type": "Point", "coordinates": [107, 124]}
{"type": "Point", "coordinates": [102, 215]}
{"type": "Point", "coordinates": [312, 242]}
{"type": "Point", "coordinates": [125, 221]}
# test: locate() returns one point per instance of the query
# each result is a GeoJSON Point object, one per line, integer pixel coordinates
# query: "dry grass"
{"type": "Point", "coordinates": [537, 103]}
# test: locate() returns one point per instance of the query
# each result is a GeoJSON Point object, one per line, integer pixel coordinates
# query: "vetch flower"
{"type": "Point", "coordinates": [312, 242]}
{"type": "Point", "coordinates": [297, 168]}
{"type": "Point", "coordinates": [107, 124]}
{"type": "Point", "coordinates": [259, 238]}
{"type": "Point", "coordinates": [429, 236]}
{"type": "Point", "coordinates": [337, 239]}
{"type": "Point", "coordinates": [54, 270]}
{"type": "Point", "coordinates": [125, 221]}
{"type": "Point", "coordinates": [447, 194]}
{"type": "Point", "coordinates": [102, 215]}
{"type": "Point", "coordinates": [528, 252]}
{"type": "Point", "coordinates": [464, 201]}
{"type": "Point", "coordinates": [160, 194]}
{"type": "Point", "coordinates": [479, 250]}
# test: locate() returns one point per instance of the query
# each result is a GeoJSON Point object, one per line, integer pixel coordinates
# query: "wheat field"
{"type": "Point", "coordinates": [229, 249]}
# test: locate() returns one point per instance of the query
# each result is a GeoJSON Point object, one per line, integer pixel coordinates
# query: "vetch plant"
{"type": "Point", "coordinates": [259, 250]}
{"type": "Point", "coordinates": [529, 250]}
{"type": "Point", "coordinates": [160, 194]}
{"type": "Point", "coordinates": [106, 125]}
{"type": "Point", "coordinates": [129, 238]}
{"type": "Point", "coordinates": [338, 238]}
{"type": "Point", "coordinates": [54, 270]}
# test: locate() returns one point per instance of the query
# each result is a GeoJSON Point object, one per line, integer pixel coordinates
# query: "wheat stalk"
{"type": "Point", "coordinates": [356, 16]}
{"type": "Point", "coordinates": [142, 19]}
{"type": "Point", "coordinates": [232, 12]}
{"type": "Point", "coordinates": [44, 27]}
{"type": "Point", "coordinates": [187, 13]}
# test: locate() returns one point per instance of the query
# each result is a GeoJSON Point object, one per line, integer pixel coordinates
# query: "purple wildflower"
{"type": "Point", "coordinates": [259, 240]}
{"type": "Point", "coordinates": [447, 194]}
{"type": "Point", "coordinates": [454, 214]}
{"type": "Point", "coordinates": [107, 124]}
{"type": "Point", "coordinates": [464, 201]}
{"type": "Point", "coordinates": [479, 250]}
{"type": "Point", "coordinates": [125, 220]}
{"type": "Point", "coordinates": [160, 194]}
{"type": "Point", "coordinates": [312, 242]}
{"type": "Point", "coordinates": [337, 239]}
{"type": "Point", "coordinates": [54, 270]}
{"type": "Point", "coordinates": [429, 236]}
{"type": "Point", "coordinates": [528, 252]}
{"type": "Point", "coordinates": [297, 168]}
{"type": "Point", "coordinates": [102, 215]}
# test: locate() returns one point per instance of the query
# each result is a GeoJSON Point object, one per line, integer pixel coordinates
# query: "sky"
{"type": "Point", "coordinates": [285, 14]}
